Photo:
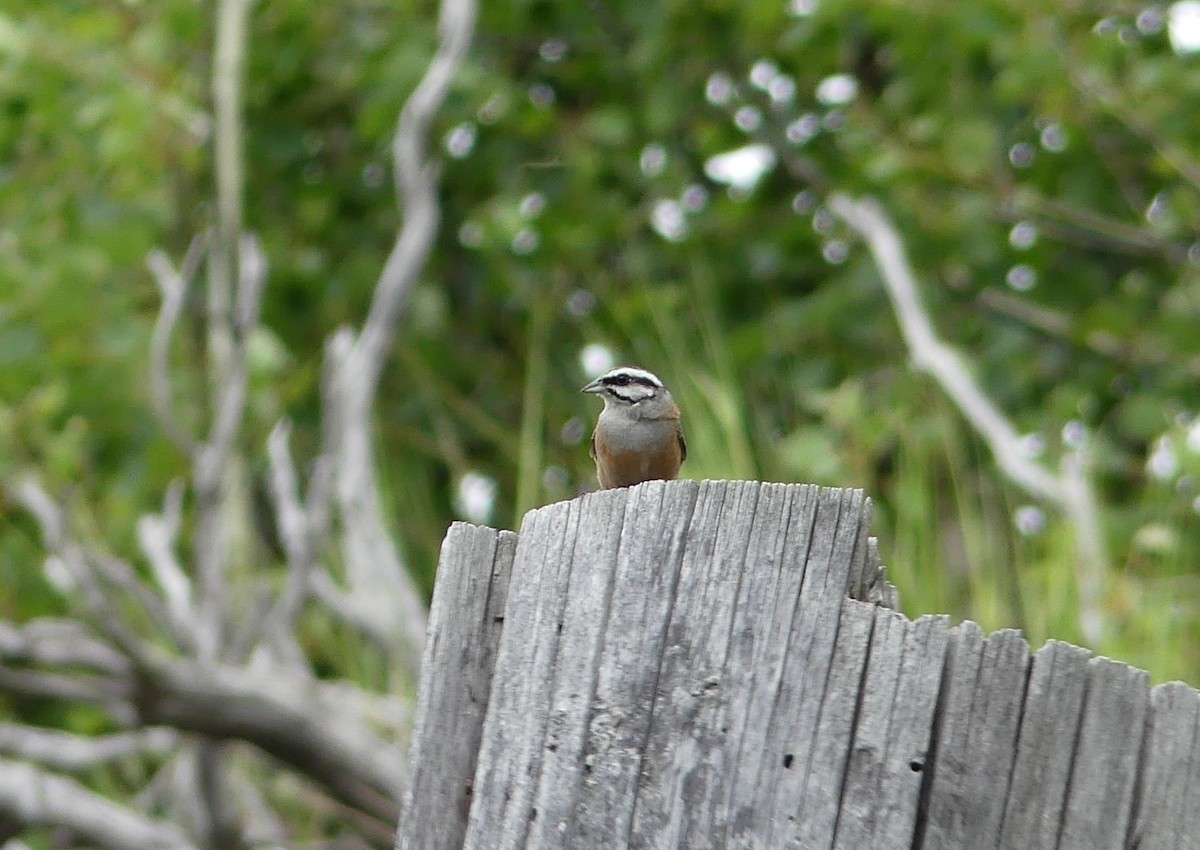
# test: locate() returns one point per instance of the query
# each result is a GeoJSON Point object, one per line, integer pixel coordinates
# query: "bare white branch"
{"type": "Point", "coordinates": [252, 279]}
{"type": "Point", "coordinates": [118, 574]}
{"type": "Point", "coordinates": [416, 188]}
{"type": "Point", "coordinates": [231, 312]}
{"type": "Point", "coordinates": [59, 643]}
{"type": "Point", "coordinates": [63, 751]}
{"type": "Point", "coordinates": [296, 533]}
{"type": "Point", "coordinates": [173, 790]}
{"type": "Point", "coordinates": [34, 498]}
{"type": "Point", "coordinates": [172, 512]}
{"type": "Point", "coordinates": [228, 67]}
{"type": "Point", "coordinates": [380, 585]}
{"type": "Point", "coordinates": [383, 601]}
{"type": "Point", "coordinates": [173, 286]}
{"type": "Point", "coordinates": [345, 607]}
{"type": "Point", "coordinates": [1093, 564]}
{"type": "Point", "coordinates": [157, 536]}
{"type": "Point", "coordinates": [30, 797]}
{"type": "Point", "coordinates": [1070, 491]}
{"type": "Point", "coordinates": [931, 355]}
{"type": "Point", "coordinates": [110, 694]}
{"type": "Point", "coordinates": [274, 710]}
{"type": "Point", "coordinates": [264, 827]}
{"type": "Point", "coordinates": [82, 571]}
{"type": "Point", "coordinates": [291, 522]}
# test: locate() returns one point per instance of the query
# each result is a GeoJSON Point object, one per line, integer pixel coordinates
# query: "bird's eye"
{"type": "Point", "coordinates": [621, 380]}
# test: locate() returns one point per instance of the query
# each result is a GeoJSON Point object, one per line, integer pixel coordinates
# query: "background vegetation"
{"type": "Point", "coordinates": [1040, 162]}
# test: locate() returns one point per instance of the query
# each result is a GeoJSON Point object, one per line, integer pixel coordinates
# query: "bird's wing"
{"type": "Point", "coordinates": [592, 446]}
{"type": "Point", "coordinates": [682, 446]}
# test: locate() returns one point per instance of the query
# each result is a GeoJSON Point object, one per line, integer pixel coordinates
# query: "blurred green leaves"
{"type": "Point", "coordinates": [1042, 168]}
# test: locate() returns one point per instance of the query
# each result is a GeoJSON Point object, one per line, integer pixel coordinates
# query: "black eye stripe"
{"type": "Point", "coordinates": [626, 380]}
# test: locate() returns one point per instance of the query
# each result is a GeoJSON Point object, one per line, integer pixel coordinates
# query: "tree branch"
{"type": "Point", "coordinates": [416, 189]}
{"type": "Point", "coordinates": [377, 576]}
{"type": "Point", "coordinates": [30, 798]}
{"type": "Point", "coordinates": [289, 717]}
{"type": "Point", "coordinates": [110, 694]}
{"type": "Point", "coordinates": [80, 571]}
{"type": "Point", "coordinates": [63, 643]}
{"type": "Point", "coordinates": [1069, 490]}
{"type": "Point", "coordinates": [295, 528]}
{"type": "Point", "coordinates": [156, 537]}
{"type": "Point", "coordinates": [173, 286]}
{"type": "Point", "coordinates": [234, 261]}
{"type": "Point", "coordinates": [62, 751]}
{"type": "Point", "coordinates": [270, 710]}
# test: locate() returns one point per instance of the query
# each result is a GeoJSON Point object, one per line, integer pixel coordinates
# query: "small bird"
{"type": "Point", "coordinates": [638, 436]}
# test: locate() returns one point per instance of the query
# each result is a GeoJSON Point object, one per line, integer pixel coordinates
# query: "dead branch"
{"type": "Point", "coordinates": [62, 751]}
{"type": "Point", "coordinates": [30, 797]}
{"type": "Point", "coordinates": [372, 561]}
{"type": "Point", "coordinates": [172, 286]}
{"type": "Point", "coordinates": [1068, 489]}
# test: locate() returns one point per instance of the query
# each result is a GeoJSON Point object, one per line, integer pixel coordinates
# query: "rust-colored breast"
{"type": "Point", "coordinates": [624, 469]}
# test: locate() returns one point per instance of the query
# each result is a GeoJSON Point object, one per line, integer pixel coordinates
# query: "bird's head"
{"type": "Point", "coordinates": [628, 387]}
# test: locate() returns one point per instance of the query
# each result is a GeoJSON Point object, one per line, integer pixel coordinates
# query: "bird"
{"type": "Point", "coordinates": [638, 436]}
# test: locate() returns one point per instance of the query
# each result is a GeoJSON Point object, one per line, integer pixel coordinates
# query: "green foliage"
{"type": "Point", "coordinates": [1041, 164]}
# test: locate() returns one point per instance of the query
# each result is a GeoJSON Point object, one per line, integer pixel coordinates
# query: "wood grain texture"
{"type": "Point", "coordinates": [776, 807]}
{"type": "Point", "coordinates": [677, 665]}
{"type": "Point", "coordinates": [884, 775]}
{"type": "Point", "coordinates": [465, 619]}
{"type": "Point", "coordinates": [1168, 810]}
{"type": "Point", "coordinates": [1106, 760]}
{"type": "Point", "coordinates": [1046, 743]}
{"type": "Point", "coordinates": [977, 722]}
{"type": "Point", "coordinates": [681, 796]}
{"type": "Point", "coordinates": [518, 710]}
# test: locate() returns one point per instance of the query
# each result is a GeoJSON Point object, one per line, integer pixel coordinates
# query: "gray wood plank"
{"type": "Point", "coordinates": [914, 723]}
{"type": "Point", "coordinates": [516, 718]}
{"type": "Point", "coordinates": [862, 570]}
{"type": "Point", "coordinates": [860, 786]}
{"type": "Point", "coordinates": [680, 666]}
{"type": "Point", "coordinates": [658, 529]}
{"type": "Point", "coordinates": [1188, 835]}
{"type": "Point", "coordinates": [769, 745]}
{"type": "Point", "coordinates": [1107, 757]}
{"type": "Point", "coordinates": [572, 686]}
{"type": "Point", "coordinates": [792, 724]}
{"type": "Point", "coordinates": [813, 816]}
{"type": "Point", "coordinates": [465, 621]}
{"type": "Point", "coordinates": [724, 593]}
{"type": "Point", "coordinates": [765, 610]}
{"type": "Point", "coordinates": [1050, 724]}
{"type": "Point", "coordinates": [910, 730]}
{"type": "Point", "coordinates": [1170, 793]}
{"type": "Point", "coordinates": [979, 715]}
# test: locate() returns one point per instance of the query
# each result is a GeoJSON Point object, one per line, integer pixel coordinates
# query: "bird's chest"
{"type": "Point", "coordinates": [632, 451]}
{"type": "Point", "coordinates": [623, 434]}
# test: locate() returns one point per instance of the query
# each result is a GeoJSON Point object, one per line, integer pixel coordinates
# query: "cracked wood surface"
{"type": "Point", "coordinates": [682, 665]}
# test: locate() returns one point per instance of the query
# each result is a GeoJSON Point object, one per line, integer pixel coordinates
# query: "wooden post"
{"type": "Point", "coordinates": [682, 665]}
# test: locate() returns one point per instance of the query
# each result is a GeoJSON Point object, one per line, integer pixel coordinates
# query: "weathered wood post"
{"type": "Point", "coordinates": [719, 666]}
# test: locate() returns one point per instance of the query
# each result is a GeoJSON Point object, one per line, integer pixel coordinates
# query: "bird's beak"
{"type": "Point", "coordinates": [594, 387]}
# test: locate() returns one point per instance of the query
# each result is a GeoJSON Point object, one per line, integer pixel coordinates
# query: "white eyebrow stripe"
{"type": "Point", "coordinates": [633, 372]}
